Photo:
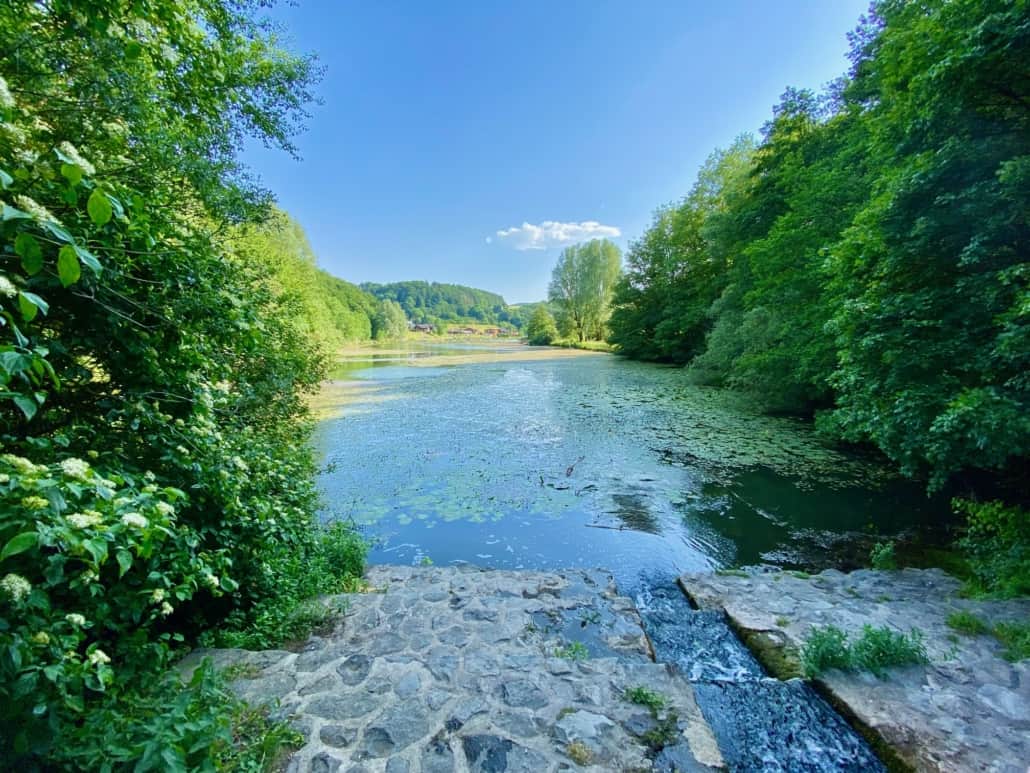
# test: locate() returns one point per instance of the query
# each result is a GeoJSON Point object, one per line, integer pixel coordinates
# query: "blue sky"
{"type": "Point", "coordinates": [446, 124]}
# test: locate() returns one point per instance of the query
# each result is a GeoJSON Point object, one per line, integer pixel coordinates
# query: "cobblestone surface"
{"type": "Point", "coordinates": [473, 671]}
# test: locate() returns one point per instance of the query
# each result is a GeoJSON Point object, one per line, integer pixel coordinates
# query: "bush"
{"type": "Point", "coordinates": [875, 650]}
{"type": "Point", "coordinates": [882, 556]}
{"type": "Point", "coordinates": [997, 545]}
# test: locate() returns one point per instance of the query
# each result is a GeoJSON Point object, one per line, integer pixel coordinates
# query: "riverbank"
{"type": "Point", "coordinates": [461, 669]}
{"type": "Point", "coordinates": [966, 709]}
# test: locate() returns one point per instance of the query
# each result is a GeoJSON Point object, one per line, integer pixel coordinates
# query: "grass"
{"type": "Point", "coordinates": [666, 728]}
{"type": "Point", "coordinates": [967, 623]}
{"type": "Point", "coordinates": [882, 556]}
{"type": "Point", "coordinates": [1016, 639]}
{"type": "Point", "coordinates": [876, 650]}
{"type": "Point", "coordinates": [572, 651]}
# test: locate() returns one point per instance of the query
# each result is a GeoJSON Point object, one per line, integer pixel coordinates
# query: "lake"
{"type": "Point", "coordinates": [509, 456]}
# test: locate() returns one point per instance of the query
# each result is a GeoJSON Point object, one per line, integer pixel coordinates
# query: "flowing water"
{"type": "Point", "coordinates": [507, 457]}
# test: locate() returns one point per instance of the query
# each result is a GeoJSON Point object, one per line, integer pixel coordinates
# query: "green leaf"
{"type": "Point", "coordinates": [68, 268]}
{"type": "Point", "coordinates": [27, 307]}
{"type": "Point", "coordinates": [124, 562]}
{"type": "Point", "coordinates": [35, 300]}
{"type": "Point", "coordinates": [27, 405]}
{"type": "Point", "coordinates": [31, 254]}
{"type": "Point", "coordinates": [88, 258]}
{"type": "Point", "coordinates": [58, 231]}
{"type": "Point", "coordinates": [5, 179]}
{"type": "Point", "coordinates": [10, 213]}
{"type": "Point", "coordinates": [19, 544]}
{"type": "Point", "coordinates": [99, 208]}
{"type": "Point", "coordinates": [71, 173]}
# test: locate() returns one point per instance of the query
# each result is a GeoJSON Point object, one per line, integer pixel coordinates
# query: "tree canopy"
{"type": "Point", "coordinates": [581, 288]}
{"type": "Point", "coordinates": [868, 259]}
{"type": "Point", "coordinates": [435, 302]}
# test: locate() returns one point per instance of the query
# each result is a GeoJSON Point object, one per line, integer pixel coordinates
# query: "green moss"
{"type": "Point", "coordinates": [578, 752]}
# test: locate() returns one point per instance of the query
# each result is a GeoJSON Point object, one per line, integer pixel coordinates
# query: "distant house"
{"type": "Point", "coordinates": [421, 327]}
{"type": "Point", "coordinates": [492, 331]}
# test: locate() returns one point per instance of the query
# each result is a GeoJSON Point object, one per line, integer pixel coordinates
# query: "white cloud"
{"type": "Point", "coordinates": [553, 234]}
{"type": "Point", "coordinates": [489, 240]}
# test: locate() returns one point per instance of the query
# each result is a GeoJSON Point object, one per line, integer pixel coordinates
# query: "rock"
{"type": "Point", "coordinates": [584, 726]}
{"type": "Point", "coordinates": [337, 735]}
{"type": "Point", "coordinates": [408, 685]}
{"type": "Point", "coordinates": [354, 669]}
{"type": "Point", "coordinates": [324, 763]}
{"type": "Point", "coordinates": [341, 706]}
{"type": "Point", "coordinates": [398, 727]}
{"type": "Point", "coordinates": [523, 693]}
{"type": "Point", "coordinates": [397, 765]}
{"type": "Point", "coordinates": [437, 757]}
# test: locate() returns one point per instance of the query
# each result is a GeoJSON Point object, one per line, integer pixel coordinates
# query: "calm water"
{"type": "Point", "coordinates": [586, 461]}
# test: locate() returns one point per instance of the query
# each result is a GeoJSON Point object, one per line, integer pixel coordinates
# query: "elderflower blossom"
{"type": "Point", "coordinates": [135, 520]}
{"type": "Point", "coordinates": [98, 658]}
{"type": "Point", "coordinates": [35, 503]}
{"type": "Point", "coordinates": [164, 508]}
{"type": "Point", "coordinates": [212, 581]}
{"type": "Point", "coordinates": [158, 595]}
{"type": "Point", "coordinates": [7, 288]}
{"type": "Point", "coordinates": [6, 98]}
{"type": "Point", "coordinates": [15, 586]}
{"type": "Point", "coordinates": [75, 468]}
{"type": "Point", "coordinates": [42, 637]}
{"type": "Point", "coordinates": [166, 609]}
{"type": "Point", "coordinates": [72, 153]}
{"type": "Point", "coordinates": [75, 619]}
{"type": "Point", "coordinates": [21, 464]}
{"type": "Point", "coordinates": [85, 520]}
{"type": "Point", "coordinates": [34, 208]}
{"type": "Point", "coordinates": [4, 478]}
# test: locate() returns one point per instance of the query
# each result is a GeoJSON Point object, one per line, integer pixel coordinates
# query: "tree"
{"type": "Point", "coordinates": [581, 287]}
{"type": "Point", "coordinates": [541, 329]}
{"type": "Point", "coordinates": [389, 322]}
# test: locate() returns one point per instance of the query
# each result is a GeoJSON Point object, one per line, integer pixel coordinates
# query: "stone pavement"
{"type": "Point", "coordinates": [968, 710]}
{"type": "Point", "coordinates": [473, 671]}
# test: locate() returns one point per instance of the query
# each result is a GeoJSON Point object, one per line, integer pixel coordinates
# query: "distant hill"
{"type": "Point", "coordinates": [436, 302]}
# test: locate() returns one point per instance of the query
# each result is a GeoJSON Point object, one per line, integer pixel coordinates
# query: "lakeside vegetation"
{"type": "Point", "coordinates": [161, 328]}
{"type": "Point", "coordinates": [865, 262]}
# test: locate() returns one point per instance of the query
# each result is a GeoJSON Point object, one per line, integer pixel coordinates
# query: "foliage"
{"type": "Point", "coordinates": [867, 261]}
{"type": "Point", "coordinates": [541, 330]}
{"type": "Point", "coordinates": [997, 545]}
{"type": "Point", "coordinates": [572, 651]}
{"type": "Point", "coordinates": [1016, 639]}
{"type": "Point", "coordinates": [642, 696]}
{"type": "Point", "coordinates": [436, 303]}
{"type": "Point", "coordinates": [152, 373]}
{"type": "Point", "coordinates": [875, 650]}
{"type": "Point", "coordinates": [581, 288]}
{"type": "Point", "coordinates": [167, 726]}
{"type": "Point", "coordinates": [330, 311]}
{"type": "Point", "coordinates": [882, 556]}
{"type": "Point", "coordinates": [579, 752]}
{"type": "Point", "coordinates": [389, 322]}
{"type": "Point", "coordinates": [967, 623]}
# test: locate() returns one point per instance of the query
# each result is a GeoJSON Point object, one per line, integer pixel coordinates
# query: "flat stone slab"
{"type": "Point", "coordinates": [479, 671]}
{"type": "Point", "coordinates": [968, 710]}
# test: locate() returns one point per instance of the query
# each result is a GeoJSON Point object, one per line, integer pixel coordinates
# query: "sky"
{"type": "Point", "coordinates": [468, 142]}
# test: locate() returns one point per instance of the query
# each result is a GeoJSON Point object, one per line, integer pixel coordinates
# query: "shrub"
{"type": "Point", "coordinates": [997, 545]}
{"type": "Point", "coordinates": [882, 556]}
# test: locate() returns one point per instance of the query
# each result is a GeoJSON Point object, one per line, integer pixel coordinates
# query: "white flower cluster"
{"type": "Point", "coordinates": [98, 658]}
{"type": "Point", "coordinates": [15, 586]}
{"type": "Point", "coordinates": [21, 464]}
{"type": "Point", "coordinates": [212, 581]}
{"type": "Point", "coordinates": [75, 619]}
{"type": "Point", "coordinates": [7, 288]}
{"type": "Point", "coordinates": [166, 609]}
{"type": "Point", "coordinates": [85, 520]}
{"type": "Point", "coordinates": [34, 208]}
{"type": "Point", "coordinates": [135, 520]}
{"type": "Point", "coordinates": [158, 595]}
{"type": "Point", "coordinates": [164, 508]}
{"type": "Point", "coordinates": [75, 468]}
{"type": "Point", "coordinates": [72, 153]}
{"type": "Point", "coordinates": [6, 97]}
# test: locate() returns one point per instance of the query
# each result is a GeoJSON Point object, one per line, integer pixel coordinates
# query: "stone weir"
{"type": "Point", "coordinates": [473, 671]}
{"type": "Point", "coordinates": [967, 710]}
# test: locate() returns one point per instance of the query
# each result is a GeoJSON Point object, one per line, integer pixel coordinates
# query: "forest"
{"type": "Point", "coordinates": [436, 303]}
{"type": "Point", "coordinates": [865, 260]}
